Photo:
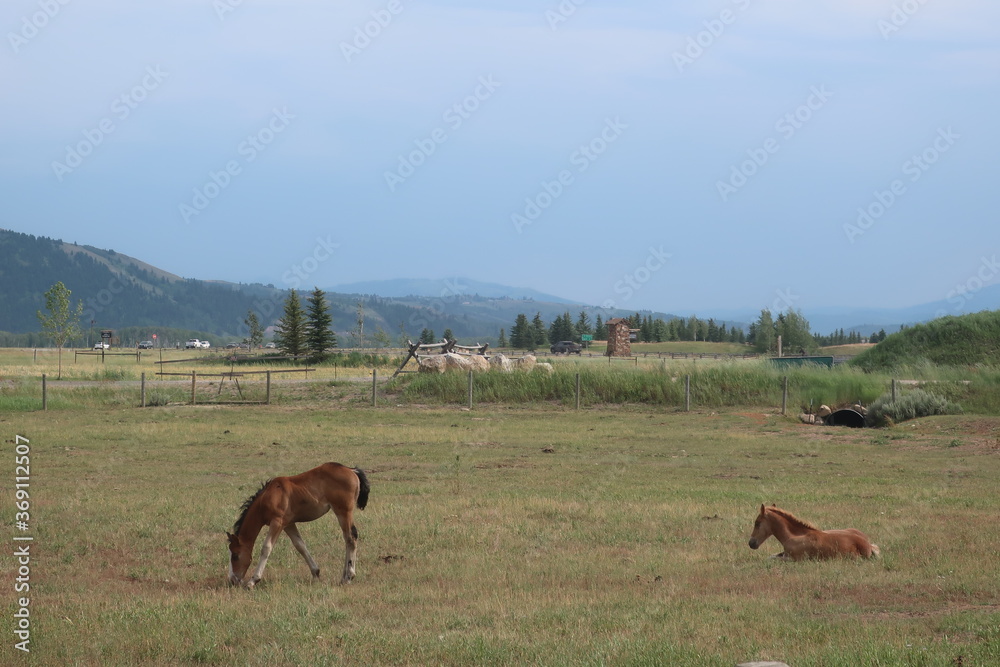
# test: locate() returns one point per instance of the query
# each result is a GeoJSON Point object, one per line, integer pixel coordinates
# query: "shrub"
{"type": "Point", "coordinates": [913, 404]}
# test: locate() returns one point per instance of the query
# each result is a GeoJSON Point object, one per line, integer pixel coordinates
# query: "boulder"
{"type": "Point", "coordinates": [527, 362]}
{"type": "Point", "coordinates": [547, 367]}
{"type": "Point", "coordinates": [457, 361]}
{"type": "Point", "coordinates": [500, 362]}
{"type": "Point", "coordinates": [434, 363]}
{"type": "Point", "coordinates": [478, 362]}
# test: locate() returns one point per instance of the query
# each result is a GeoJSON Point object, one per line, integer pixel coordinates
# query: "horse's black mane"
{"type": "Point", "coordinates": [246, 507]}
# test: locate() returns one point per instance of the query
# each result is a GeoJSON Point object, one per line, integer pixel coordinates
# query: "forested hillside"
{"type": "Point", "coordinates": [116, 290]}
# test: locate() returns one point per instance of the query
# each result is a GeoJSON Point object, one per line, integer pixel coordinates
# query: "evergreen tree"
{"type": "Point", "coordinates": [600, 330]}
{"type": "Point", "coordinates": [502, 340]}
{"type": "Point", "coordinates": [62, 323]}
{"type": "Point", "coordinates": [448, 335]}
{"type": "Point", "coordinates": [762, 332]}
{"type": "Point", "coordinates": [540, 334]}
{"type": "Point", "coordinates": [583, 325]}
{"type": "Point", "coordinates": [290, 330]}
{"type": "Point", "coordinates": [427, 336]}
{"type": "Point", "coordinates": [521, 334]}
{"type": "Point", "coordinates": [318, 335]}
{"type": "Point", "coordinates": [255, 335]}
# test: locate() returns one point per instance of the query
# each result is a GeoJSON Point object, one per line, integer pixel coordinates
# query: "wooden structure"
{"type": "Point", "coordinates": [418, 350]}
{"type": "Point", "coordinates": [619, 341]}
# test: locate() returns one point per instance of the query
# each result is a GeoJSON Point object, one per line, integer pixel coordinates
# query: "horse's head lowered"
{"type": "Point", "coordinates": [239, 559]}
{"type": "Point", "coordinates": [761, 529]}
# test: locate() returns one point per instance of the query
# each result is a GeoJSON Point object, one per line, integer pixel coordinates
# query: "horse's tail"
{"type": "Point", "coordinates": [364, 490]}
{"type": "Point", "coordinates": [876, 552]}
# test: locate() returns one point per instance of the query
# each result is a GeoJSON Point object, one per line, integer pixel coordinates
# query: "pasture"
{"type": "Point", "coordinates": [507, 535]}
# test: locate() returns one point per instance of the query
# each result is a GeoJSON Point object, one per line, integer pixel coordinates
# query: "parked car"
{"type": "Point", "coordinates": [232, 346]}
{"type": "Point", "coordinates": [193, 344]}
{"type": "Point", "coordinates": [566, 347]}
{"type": "Point", "coordinates": [101, 346]}
{"type": "Point", "coordinates": [146, 345]}
{"type": "Point", "coordinates": [270, 346]}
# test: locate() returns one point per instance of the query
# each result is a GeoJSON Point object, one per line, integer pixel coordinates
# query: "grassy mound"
{"type": "Point", "coordinates": [966, 340]}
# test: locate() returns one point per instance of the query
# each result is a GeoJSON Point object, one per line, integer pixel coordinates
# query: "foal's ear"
{"type": "Point", "coordinates": [762, 508]}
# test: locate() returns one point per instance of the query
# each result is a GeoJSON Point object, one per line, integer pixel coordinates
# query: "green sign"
{"type": "Point", "coordinates": [586, 337]}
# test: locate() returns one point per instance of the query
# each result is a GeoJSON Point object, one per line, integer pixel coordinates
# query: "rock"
{"type": "Point", "coordinates": [501, 363]}
{"type": "Point", "coordinates": [807, 419]}
{"type": "Point", "coordinates": [457, 361]}
{"type": "Point", "coordinates": [527, 362]}
{"type": "Point", "coordinates": [477, 362]}
{"type": "Point", "coordinates": [547, 367]}
{"type": "Point", "coordinates": [432, 364]}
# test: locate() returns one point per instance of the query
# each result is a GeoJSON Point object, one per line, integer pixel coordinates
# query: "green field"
{"type": "Point", "coordinates": [507, 535]}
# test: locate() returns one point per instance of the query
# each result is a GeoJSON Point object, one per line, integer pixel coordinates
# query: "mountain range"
{"type": "Point", "coordinates": [120, 291]}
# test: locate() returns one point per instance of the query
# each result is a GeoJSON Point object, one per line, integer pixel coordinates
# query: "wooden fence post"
{"type": "Point", "coordinates": [784, 394]}
{"type": "Point", "coordinates": [45, 394]}
{"type": "Point", "coordinates": [894, 390]}
{"type": "Point", "coordinates": [194, 376]}
{"type": "Point", "coordinates": [267, 397]}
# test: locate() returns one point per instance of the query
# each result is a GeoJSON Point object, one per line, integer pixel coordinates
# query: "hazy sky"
{"type": "Point", "coordinates": [651, 155]}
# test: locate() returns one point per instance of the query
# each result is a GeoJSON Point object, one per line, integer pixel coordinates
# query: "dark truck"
{"type": "Point", "coordinates": [566, 347]}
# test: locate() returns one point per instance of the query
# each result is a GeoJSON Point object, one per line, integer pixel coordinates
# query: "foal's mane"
{"type": "Point", "coordinates": [247, 504]}
{"type": "Point", "coordinates": [791, 518]}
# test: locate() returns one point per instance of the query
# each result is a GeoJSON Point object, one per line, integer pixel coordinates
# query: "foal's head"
{"type": "Point", "coordinates": [761, 529]}
{"type": "Point", "coordinates": [239, 559]}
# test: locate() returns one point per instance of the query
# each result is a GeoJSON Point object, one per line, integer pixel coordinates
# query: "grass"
{"type": "Point", "coordinates": [510, 535]}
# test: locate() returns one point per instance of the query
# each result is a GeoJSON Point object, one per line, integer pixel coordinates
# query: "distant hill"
{"type": "Point", "coordinates": [444, 288]}
{"type": "Point", "coordinates": [121, 292]}
{"type": "Point", "coordinates": [116, 290]}
{"type": "Point", "coordinates": [964, 340]}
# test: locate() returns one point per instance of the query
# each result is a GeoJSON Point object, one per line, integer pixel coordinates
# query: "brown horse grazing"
{"type": "Point", "coordinates": [282, 502]}
{"type": "Point", "coordinates": [802, 540]}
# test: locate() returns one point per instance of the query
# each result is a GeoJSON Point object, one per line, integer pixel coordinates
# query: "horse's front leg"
{"type": "Point", "coordinates": [293, 533]}
{"type": "Point", "coordinates": [273, 531]}
{"type": "Point", "coordinates": [350, 545]}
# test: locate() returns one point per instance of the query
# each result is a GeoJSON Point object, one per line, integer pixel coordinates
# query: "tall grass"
{"type": "Point", "coordinates": [750, 384]}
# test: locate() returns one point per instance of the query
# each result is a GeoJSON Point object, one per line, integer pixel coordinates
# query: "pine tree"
{"type": "Point", "coordinates": [255, 335]}
{"type": "Point", "coordinates": [521, 335]}
{"type": "Point", "coordinates": [318, 335]}
{"type": "Point", "coordinates": [427, 336]}
{"type": "Point", "coordinates": [600, 330]}
{"type": "Point", "coordinates": [290, 331]}
{"type": "Point", "coordinates": [539, 333]}
{"type": "Point", "coordinates": [502, 340]}
{"type": "Point", "coordinates": [448, 335]}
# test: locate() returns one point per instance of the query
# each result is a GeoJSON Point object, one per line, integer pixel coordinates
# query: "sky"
{"type": "Point", "coordinates": [675, 157]}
